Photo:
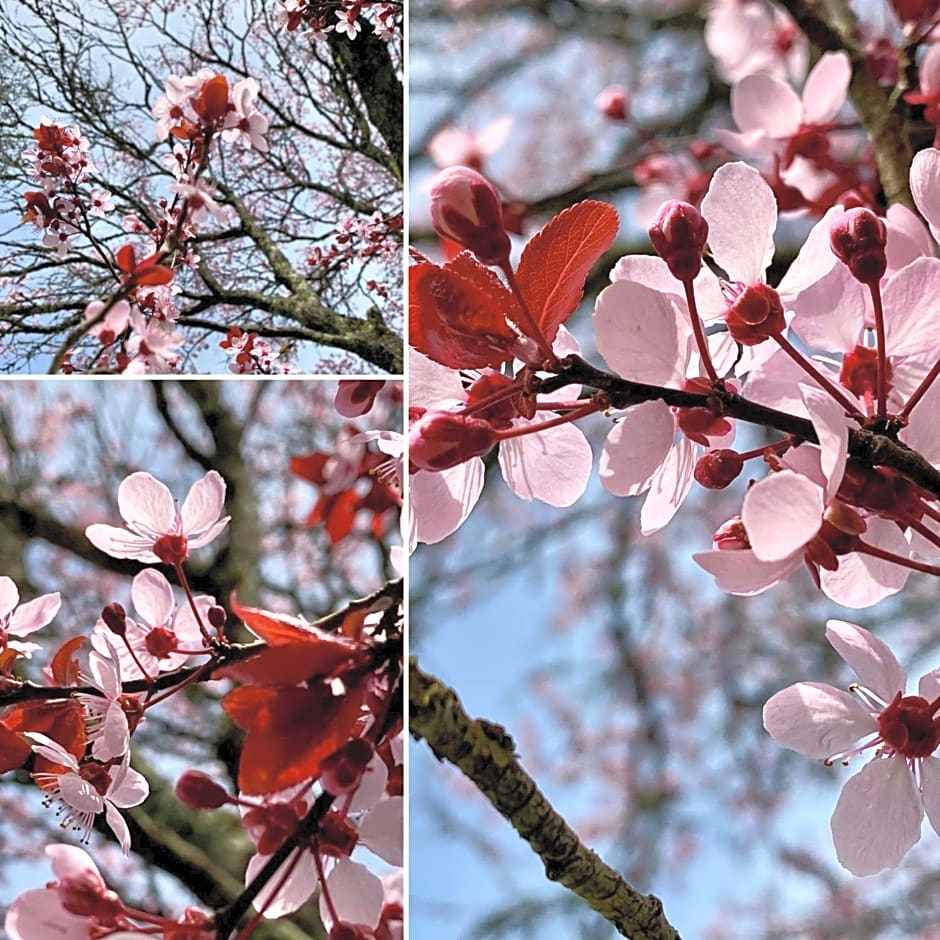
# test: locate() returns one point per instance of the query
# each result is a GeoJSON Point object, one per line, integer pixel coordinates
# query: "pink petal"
{"type": "Point", "coordinates": [357, 895]}
{"type": "Point", "coordinates": [878, 817]}
{"type": "Point", "coordinates": [930, 789]}
{"type": "Point", "coordinates": [831, 426]}
{"type": "Point", "coordinates": [35, 914]}
{"type": "Point", "coordinates": [69, 861]}
{"type": "Point", "coordinates": [430, 383]}
{"type": "Point", "coordinates": [741, 212]}
{"type": "Point", "coordinates": [35, 614]}
{"type": "Point", "coordinates": [669, 487]}
{"type": "Point", "coordinates": [816, 720]}
{"type": "Point", "coordinates": [929, 685]}
{"type": "Point", "coordinates": [637, 334]}
{"type": "Point", "coordinates": [442, 501]}
{"type": "Point", "coordinates": [760, 102]}
{"type": "Point", "coordinates": [152, 597]}
{"type": "Point", "coordinates": [830, 314]}
{"type": "Point", "coordinates": [781, 514]}
{"type": "Point", "coordinates": [553, 466]}
{"type": "Point", "coordinates": [908, 237]}
{"type": "Point", "coordinates": [146, 501]}
{"type": "Point", "coordinates": [862, 580]}
{"type": "Point", "coordinates": [115, 735]}
{"type": "Point", "coordinates": [203, 503]}
{"type": "Point", "coordinates": [210, 534]}
{"type": "Point", "coordinates": [372, 786]}
{"type": "Point", "coordinates": [9, 595]}
{"type": "Point", "coordinates": [636, 447]}
{"type": "Point", "coordinates": [814, 260]}
{"type": "Point", "coordinates": [119, 543]}
{"type": "Point", "coordinates": [382, 830]}
{"type": "Point", "coordinates": [301, 881]}
{"type": "Point", "coordinates": [775, 382]}
{"type": "Point", "coordinates": [128, 789]}
{"type": "Point", "coordinates": [118, 826]}
{"type": "Point", "coordinates": [912, 308]}
{"type": "Point", "coordinates": [826, 87]}
{"type": "Point", "coordinates": [741, 572]}
{"type": "Point", "coordinates": [80, 794]}
{"type": "Point", "coordinates": [925, 178]}
{"type": "Point", "coordinates": [870, 658]}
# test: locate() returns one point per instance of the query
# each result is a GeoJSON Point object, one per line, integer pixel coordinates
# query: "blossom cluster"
{"type": "Point", "coordinates": [321, 17]}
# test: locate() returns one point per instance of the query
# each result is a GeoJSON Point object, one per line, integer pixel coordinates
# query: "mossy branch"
{"type": "Point", "coordinates": [485, 753]}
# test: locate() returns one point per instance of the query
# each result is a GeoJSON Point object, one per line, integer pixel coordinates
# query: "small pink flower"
{"type": "Point", "coordinates": [878, 816]}
{"type": "Point", "coordinates": [155, 529]}
{"type": "Point", "coordinates": [89, 788]}
{"type": "Point", "coordinates": [22, 620]}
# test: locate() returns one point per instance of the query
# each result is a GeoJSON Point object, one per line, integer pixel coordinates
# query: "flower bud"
{"type": "Point", "coordinates": [439, 440]}
{"type": "Point", "coordinates": [613, 102]}
{"type": "Point", "coordinates": [355, 397]}
{"type": "Point", "coordinates": [718, 468]}
{"type": "Point", "coordinates": [115, 619]}
{"type": "Point", "coordinates": [678, 234]}
{"type": "Point", "coordinates": [197, 791]}
{"type": "Point", "coordinates": [466, 208]}
{"type": "Point", "coordinates": [858, 240]}
{"type": "Point", "coordinates": [85, 895]}
{"type": "Point", "coordinates": [216, 616]}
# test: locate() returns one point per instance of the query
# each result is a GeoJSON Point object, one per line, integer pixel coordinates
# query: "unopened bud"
{"type": "Point", "coordinates": [678, 234]}
{"type": "Point", "coordinates": [86, 896]}
{"type": "Point", "coordinates": [858, 240]}
{"type": "Point", "coordinates": [466, 208]}
{"type": "Point", "coordinates": [439, 440]}
{"type": "Point", "coordinates": [115, 619]}
{"type": "Point", "coordinates": [613, 102]}
{"type": "Point", "coordinates": [198, 791]}
{"type": "Point", "coordinates": [355, 397]}
{"type": "Point", "coordinates": [216, 616]}
{"type": "Point", "coordinates": [718, 468]}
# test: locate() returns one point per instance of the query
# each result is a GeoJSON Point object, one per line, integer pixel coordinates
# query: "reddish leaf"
{"type": "Point", "coordinates": [62, 721]}
{"type": "Point", "coordinates": [289, 733]}
{"type": "Point", "coordinates": [459, 321]}
{"type": "Point", "coordinates": [310, 467]}
{"type": "Point", "coordinates": [337, 512]}
{"type": "Point", "coordinates": [212, 101]}
{"type": "Point", "coordinates": [65, 664]}
{"type": "Point", "coordinates": [14, 750]}
{"type": "Point", "coordinates": [556, 261]}
{"type": "Point", "coordinates": [296, 651]}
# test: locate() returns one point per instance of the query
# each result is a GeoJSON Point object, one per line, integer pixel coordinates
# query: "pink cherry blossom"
{"type": "Point", "coordinates": [245, 123]}
{"type": "Point", "coordinates": [155, 529]}
{"type": "Point", "coordinates": [24, 619]}
{"type": "Point", "coordinates": [878, 816]}
{"type": "Point", "coordinates": [455, 146]}
{"type": "Point", "coordinates": [40, 914]}
{"type": "Point", "coordinates": [89, 788]}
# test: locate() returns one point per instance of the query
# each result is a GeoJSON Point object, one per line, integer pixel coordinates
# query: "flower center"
{"type": "Point", "coordinates": [171, 549]}
{"type": "Point", "coordinates": [908, 725]}
{"type": "Point", "coordinates": [160, 642]}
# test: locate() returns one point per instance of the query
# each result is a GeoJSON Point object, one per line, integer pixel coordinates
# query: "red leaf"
{"type": "Point", "coordinates": [64, 665]}
{"type": "Point", "coordinates": [126, 258]}
{"type": "Point", "coordinates": [291, 733]}
{"type": "Point", "coordinates": [310, 467]}
{"type": "Point", "coordinates": [64, 722]}
{"type": "Point", "coordinates": [14, 750]}
{"type": "Point", "coordinates": [459, 319]}
{"type": "Point", "coordinates": [297, 651]}
{"type": "Point", "coordinates": [556, 261]}
{"type": "Point", "coordinates": [212, 101]}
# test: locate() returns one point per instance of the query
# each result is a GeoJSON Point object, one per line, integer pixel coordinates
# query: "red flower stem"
{"type": "Point", "coordinates": [866, 549]}
{"type": "Point", "coordinates": [777, 448]}
{"type": "Point", "coordinates": [192, 601]}
{"type": "Point", "coordinates": [590, 408]}
{"type": "Point", "coordinates": [130, 649]}
{"type": "Point", "coordinates": [931, 511]}
{"type": "Point", "coordinates": [559, 405]}
{"type": "Point", "coordinates": [323, 887]}
{"type": "Point", "coordinates": [882, 380]}
{"type": "Point", "coordinates": [701, 340]}
{"type": "Point", "coordinates": [528, 323]}
{"type": "Point", "coordinates": [194, 676]}
{"type": "Point", "coordinates": [921, 389]}
{"type": "Point", "coordinates": [812, 371]}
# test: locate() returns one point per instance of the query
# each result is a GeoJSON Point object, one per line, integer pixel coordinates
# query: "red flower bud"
{"type": "Point", "coordinates": [115, 619]}
{"type": "Point", "coordinates": [85, 896]}
{"type": "Point", "coordinates": [678, 234]}
{"type": "Point", "coordinates": [718, 468]}
{"type": "Point", "coordinates": [466, 208]}
{"type": "Point", "coordinates": [197, 791]}
{"type": "Point", "coordinates": [217, 616]}
{"type": "Point", "coordinates": [755, 315]}
{"type": "Point", "coordinates": [613, 102]}
{"type": "Point", "coordinates": [858, 240]}
{"type": "Point", "coordinates": [441, 439]}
